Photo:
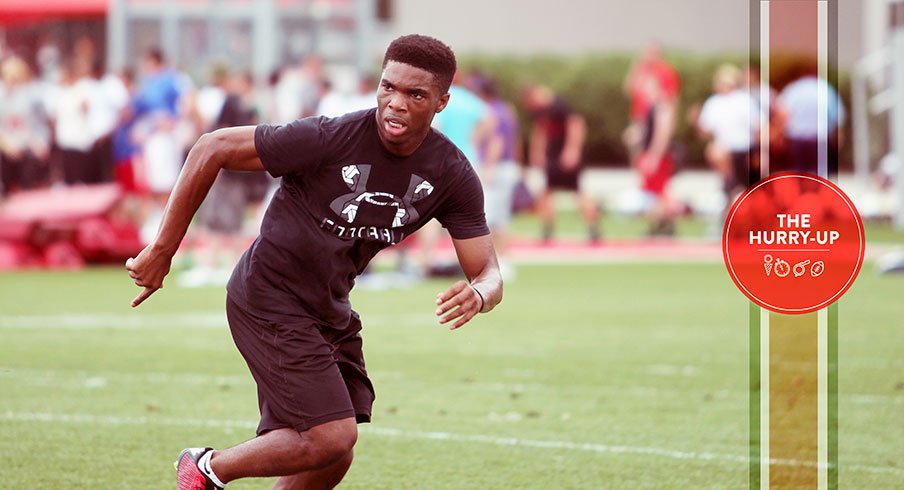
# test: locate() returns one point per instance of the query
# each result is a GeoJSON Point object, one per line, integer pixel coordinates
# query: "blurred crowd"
{"type": "Point", "coordinates": [731, 123]}
{"type": "Point", "coordinates": [65, 121]}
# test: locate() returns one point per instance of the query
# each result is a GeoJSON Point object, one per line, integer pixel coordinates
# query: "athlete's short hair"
{"type": "Point", "coordinates": [424, 52]}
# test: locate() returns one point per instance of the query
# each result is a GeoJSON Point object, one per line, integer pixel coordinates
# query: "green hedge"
{"type": "Point", "coordinates": [592, 84]}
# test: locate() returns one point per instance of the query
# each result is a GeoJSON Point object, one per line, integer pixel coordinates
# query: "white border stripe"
{"type": "Point", "coordinates": [822, 318]}
{"type": "Point", "coordinates": [765, 109]}
{"type": "Point", "coordinates": [764, 398]}
{"type": "Point", "coordinates": [765, 95]}
{"type": "Point", "coordinates": [822, 91]}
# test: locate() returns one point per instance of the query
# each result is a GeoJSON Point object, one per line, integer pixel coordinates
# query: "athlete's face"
{"type": "Point", "coordinates": [407, 100]}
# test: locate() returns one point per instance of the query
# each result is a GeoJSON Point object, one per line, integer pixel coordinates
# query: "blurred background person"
{"type": "Point", "coordinates": [798, 107]}
{"type": "Point", "coordinates": [49, 60]}
{"type": "Point", "coordinates": [500, 169]}
{"type": "Point", "coordinates": [556, 145]}
{"type": "Point", "coordinates": [210, 98]}
{"type": "Point", "coordinates": [766, 101]}
{"type": "Point", "coordinates": [219, 238]}
{"type": "Point", "coordinates": [249, 105]}
{"type": "Point", "coordinates": [336, 102]}
{"type": "Point", "coordinates": [24, 130]}
{"type": "Point", "coordinates": [158, 108]}
{"type": "Point", "coordinates": [332, 101]}
{"type": "Point", "coordinates": [729, 122]}
{"type": "Point", "coordinates": [298, 89]}
{"type": "Point", "coordinates": [113, 98]}
{"type": "Point", "coordinates": [654, 162]}
{"type": "Point", "coordinates": [124, 147]}
{"type": "Point", "coordinates": [108, 97]}
{"type": "Point", "coordinates": [161, 89]}
{"type": "Point", "coordinates": [468, 122]}
{"type": "Point", "coordinates": [366, 95]}
{"type": "Point", "coordinates": [267, 102]}
{"type": "Point", "coordinates": [75, 118]}
{"type": "Point", "coordinates": [287, 100]}
{"type": "Point", "coordinates": [649, 65]}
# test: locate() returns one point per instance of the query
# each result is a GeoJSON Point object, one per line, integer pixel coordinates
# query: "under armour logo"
{"type": "Point", "coordinates": [349, 172]}
{"type": "Point", "coordinates": [356, 176]}
{"type": "Point", "coordinates": [423, 187]}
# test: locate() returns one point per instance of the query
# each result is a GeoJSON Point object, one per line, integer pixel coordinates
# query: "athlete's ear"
{"type": "Point", "coordinates": [441, 104]}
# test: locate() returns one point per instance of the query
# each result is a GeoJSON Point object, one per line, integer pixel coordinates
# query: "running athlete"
{"type": "Point", "coordinates": [351, 186]}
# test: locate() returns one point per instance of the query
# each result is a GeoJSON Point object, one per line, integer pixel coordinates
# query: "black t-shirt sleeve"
{"type": "Point", "coordinates": [462, 213]}
{"type": "Point", "coordinates": [294, 148]}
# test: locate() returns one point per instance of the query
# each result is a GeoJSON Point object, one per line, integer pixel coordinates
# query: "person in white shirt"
{"type": "Point", "coordinates": [24, 130]}
{"type": "Point", "coordinates": [729, 119]}
{"type": "Point", "coordinates": [75, 123]}
{"type": "Point", "coordinates": [111, 96]}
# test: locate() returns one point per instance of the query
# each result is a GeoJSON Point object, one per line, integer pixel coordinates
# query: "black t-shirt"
{"type": "Point", "coordinates": [554, 122]}
{"type": "Point", "coordinates": [342, 199]}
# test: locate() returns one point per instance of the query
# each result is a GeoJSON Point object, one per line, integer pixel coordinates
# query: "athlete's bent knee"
{"type": "Point", "coordinates": [333, 441]}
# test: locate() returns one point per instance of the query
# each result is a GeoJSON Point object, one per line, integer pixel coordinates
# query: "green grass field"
{"type": "Point", "coordinates": [621, 376]}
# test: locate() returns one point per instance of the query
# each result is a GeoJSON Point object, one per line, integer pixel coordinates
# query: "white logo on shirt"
{"type": "Point", "coordinates": [356, 176]}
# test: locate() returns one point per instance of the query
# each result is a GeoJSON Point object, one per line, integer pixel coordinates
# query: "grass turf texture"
{"type": "Point", "coordinates": [647, 363]}
{"type": "Point", "coordinates": [614, 226]}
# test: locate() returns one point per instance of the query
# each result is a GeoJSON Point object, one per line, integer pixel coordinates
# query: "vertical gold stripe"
{"type": "Point", "coordinates": [793, 407]}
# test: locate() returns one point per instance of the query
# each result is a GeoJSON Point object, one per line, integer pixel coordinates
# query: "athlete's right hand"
{"type": "Point", "coordinates": [148, 269]}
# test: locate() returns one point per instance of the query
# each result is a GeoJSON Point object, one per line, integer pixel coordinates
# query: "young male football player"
{"type": "Point", "coordinates": [351, 186]}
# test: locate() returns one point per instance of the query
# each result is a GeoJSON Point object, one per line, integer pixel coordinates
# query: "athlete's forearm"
{"type": "Point", "coordinates": [489, 286]}
{"type": "Point", "coordinates": [480, 265]}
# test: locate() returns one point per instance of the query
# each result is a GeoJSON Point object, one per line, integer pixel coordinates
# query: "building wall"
{"type": "Point", "coordinates": [575, 26]}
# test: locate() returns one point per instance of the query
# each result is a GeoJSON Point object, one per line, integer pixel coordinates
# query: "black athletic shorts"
{"type": "Point", "coordinates": [306, 374]}
{"type": "Point", "coordinates": [557, 178]}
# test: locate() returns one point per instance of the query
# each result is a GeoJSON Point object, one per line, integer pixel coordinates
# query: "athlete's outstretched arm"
{"type": "Point", "coordinates": [231, 148]}
{"type": "Point", "coordinates": [483, 290]}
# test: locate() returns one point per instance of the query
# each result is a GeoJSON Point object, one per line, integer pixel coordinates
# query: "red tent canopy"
{"type": "Point", "coordinates": [13, 11]}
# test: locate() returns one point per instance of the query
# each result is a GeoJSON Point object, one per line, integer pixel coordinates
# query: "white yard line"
{"type": "Point", "coordinates": [592, 447]}
{"type": "Point", "coordinates": [101, 379]}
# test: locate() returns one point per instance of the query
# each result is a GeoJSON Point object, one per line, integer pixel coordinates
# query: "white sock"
{"type": "Point", "coordinates": [204, 466]}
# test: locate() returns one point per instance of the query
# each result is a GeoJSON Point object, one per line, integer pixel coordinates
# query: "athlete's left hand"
{"type": "Point", "coordinates": [148, 269]}
{"type": "Point", "coordinates": [460, 301]}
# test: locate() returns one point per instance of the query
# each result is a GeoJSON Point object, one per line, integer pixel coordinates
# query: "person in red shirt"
{"type": "Point", "coordinates": [650, 65]}
{"type": "Point", "coordinates": [654, 162]}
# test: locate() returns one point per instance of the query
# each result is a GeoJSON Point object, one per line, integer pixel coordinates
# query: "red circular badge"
{"type": "Point", "coordinates": [793, 243]}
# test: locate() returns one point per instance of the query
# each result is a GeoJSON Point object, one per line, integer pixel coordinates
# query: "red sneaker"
{"type": "Point", "coordinates": [188, 476]}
